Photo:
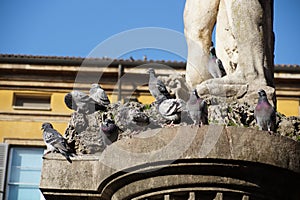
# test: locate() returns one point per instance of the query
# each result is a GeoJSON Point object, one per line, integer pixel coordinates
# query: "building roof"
{"type": "Point", "coordinates": [77, 61]}
{"type": "Point", "coordinates": [286, 68]}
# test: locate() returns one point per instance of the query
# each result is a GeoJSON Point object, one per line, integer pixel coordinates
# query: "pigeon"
{"type": "Point", "coordinates": [55, 141]}
{"type": "Point", "coordinates": [109, 131]}
{"type": "Point", "coordinates": [131, 59]}
{"type": "Point", "coordinates": [264, 113]}
{"type": "Point", "coordinates": [156, 87]}
{"type": "Point", "coordinates": [171, 109]}
{"type": "Point", "coordinates": [78, 101]}
{"type": "Point", "coordinates": [197, 109]}
{"type": "Point", "coordinates": [215, 66]}
{"type": "Point", "coordinates": [145, 58]}
{"type": "Point", "coordinates": [99, 96]}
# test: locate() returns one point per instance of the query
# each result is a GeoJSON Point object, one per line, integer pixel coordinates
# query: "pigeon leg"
{"type": "Point", "coordinates": [201, 124]}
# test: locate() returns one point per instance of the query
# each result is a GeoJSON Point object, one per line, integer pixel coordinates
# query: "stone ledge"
{"type": "Point", "coordinates": [213, 158]}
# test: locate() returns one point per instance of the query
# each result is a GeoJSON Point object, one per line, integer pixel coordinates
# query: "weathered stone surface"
{"type": "Point", "coordinates": [210, 158]}
{"type": "Point", "coordinates": [176, 85]}
{"type": "Point", "coordinates": [83, 135]}
{"type": "Point", "coordinates": [290, 127]}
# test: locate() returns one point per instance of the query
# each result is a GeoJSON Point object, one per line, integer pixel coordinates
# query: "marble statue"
{"type": "Point", "coordinates": [244, 44]}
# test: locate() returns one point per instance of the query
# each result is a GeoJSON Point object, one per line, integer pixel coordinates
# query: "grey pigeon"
{"type": "Point", "coordinates": [171, 109]}
{"type": "Point", "coordinates": [215, 66]}
{"type": "Point", "coordinates": [55, 141]}
{"type": "Point", "coordinates": [109, 131]}
{"type": "Point", "coordinates": [264, 113]}
{"type": "Point", "coordinates": [197, 109]}
{"type": "Point", "coordinates": [99, 96]}
{"type": "Point", "coordinates": [156, 87]}
{"type": "Point", "coordinates": [78, 101]}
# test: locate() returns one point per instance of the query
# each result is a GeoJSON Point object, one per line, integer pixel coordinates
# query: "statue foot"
{"type": "Point", "coordinates": [232, 88]}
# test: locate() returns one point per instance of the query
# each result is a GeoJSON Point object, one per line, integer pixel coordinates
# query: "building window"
{"type": "Point", "coordinates": [32, 102]}
{"type": "Point", "coordinates": [24, 172]}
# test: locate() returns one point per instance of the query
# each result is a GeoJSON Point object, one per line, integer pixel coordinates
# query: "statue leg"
{"type": "Point", "coordinates": [250, 27]}
{"type": "Point", "coordinates": [199, 20]}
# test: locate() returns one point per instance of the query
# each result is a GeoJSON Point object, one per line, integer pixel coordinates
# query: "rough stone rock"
{"type": "Point", "coordinates": [289, 126]}
{"type": "Point", "coordinates": [230, 114]}
{"type": "Point", "coordinates": [83, 130]}
{"type": "Point", "coordinates": [82, 133]}
{"type": "Point", "coordinates": [176, 85]}
{"type": "Point", "coordinates": [242, 115]}
{"type": "Point", "coordinates": [124, 119]}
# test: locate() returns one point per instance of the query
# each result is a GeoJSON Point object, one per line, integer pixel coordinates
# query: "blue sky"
{"type": "Point", "coordinates": [76, 27]}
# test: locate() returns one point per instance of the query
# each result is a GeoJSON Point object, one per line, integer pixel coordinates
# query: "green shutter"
{"type": "Point", "coordinates": [3, 161]}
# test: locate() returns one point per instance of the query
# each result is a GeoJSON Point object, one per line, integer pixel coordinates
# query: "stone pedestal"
{"type": "Point", "coordinates": [184, 162]}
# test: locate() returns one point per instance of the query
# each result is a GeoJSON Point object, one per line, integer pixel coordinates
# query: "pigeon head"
{"type": "Point", "coordinates": [150, 70]}
{"type": "Point", "coordinates": [262, 96]}
{"type": "Point", "coordinates": [108, 121]}
{"type": "Point", "coordinates": [219, 62]}
{"type": "Point", "coordinates": [262, 93]}
{"type": "Point", "coordinates": [195, 93]}
{"type": "Point", "coordinates": [108, 126]}
{"type": "Point", "coordinates": [95, 85]}
{"type": "Point", "coordinates": [46, 125]}
{"type": "Point", "coordinates": [212, 51]}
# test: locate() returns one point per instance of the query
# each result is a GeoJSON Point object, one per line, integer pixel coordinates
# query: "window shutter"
{"type": "Point", "coordinates": [3, 160]}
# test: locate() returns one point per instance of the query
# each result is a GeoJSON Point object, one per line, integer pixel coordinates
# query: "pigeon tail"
{"type": "Point", "coordinates": [66, 155]}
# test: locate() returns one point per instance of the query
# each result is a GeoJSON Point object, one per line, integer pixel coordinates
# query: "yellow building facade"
{"type": "Point", "coordinates": [32, 90]}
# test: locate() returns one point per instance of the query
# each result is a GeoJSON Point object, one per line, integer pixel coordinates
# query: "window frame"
{"type": "Point", "coordinates": [31, 96]}
{"type": "Point", "coordinates": [9, 168]}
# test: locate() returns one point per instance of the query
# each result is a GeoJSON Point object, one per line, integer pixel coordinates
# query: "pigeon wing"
{"type": "Point", "coordinates": [168, 107]}
{"type": "Point", "coordinates": [53, 138]}
{"type": "Point", "coordinates": [69, 102]}
{"type": "Point", "coordinates": [162, 88]}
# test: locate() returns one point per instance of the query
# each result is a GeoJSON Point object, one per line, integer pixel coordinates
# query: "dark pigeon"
{"type": "Point", "coordinates": [264, 113]}
{"type": "Point", "coordinates": [99, 96]}
{"type": "Point", "coordinates": [78, 101]}
{"type": "Point", "coordinates": [197, 109]}
{"type": "Point", "coordinates": [156, 87]}
{"type": "Point", "coordinates": [215, 66]}
{"type": "Point", "coordinates": [171, 109]}
{"type": "Point", "coordinates": [55, 142]}
{"type": "Point", "coordinates": [109, 131]}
